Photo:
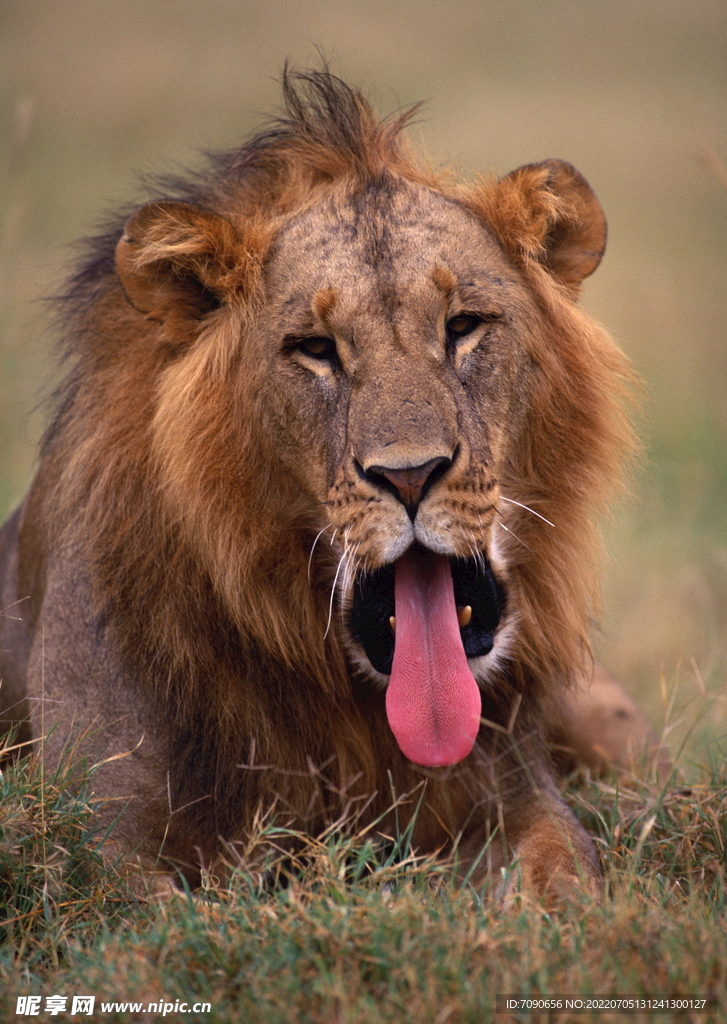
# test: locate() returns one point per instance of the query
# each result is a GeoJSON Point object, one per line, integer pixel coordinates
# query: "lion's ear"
{"type": "Point", "coordinates": [549, 213]}
{"type": "Point", "coordinates": [176, 257]}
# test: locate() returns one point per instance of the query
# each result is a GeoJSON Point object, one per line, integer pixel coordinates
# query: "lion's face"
{"type": "Point", "coordinates": [398, 375]}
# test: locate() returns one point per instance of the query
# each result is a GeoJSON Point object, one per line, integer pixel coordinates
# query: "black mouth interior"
{"type": "Point", "coordinates": [475, 585]}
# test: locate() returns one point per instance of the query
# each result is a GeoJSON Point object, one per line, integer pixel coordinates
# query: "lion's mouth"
{"type": "Point", "coordinates": [419, 620]}
{"type": "Point", "coordinates": [475, 587]}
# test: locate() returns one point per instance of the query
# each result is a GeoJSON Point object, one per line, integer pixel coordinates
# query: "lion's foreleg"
{"type": "Point", "coordinates": [553, 857]}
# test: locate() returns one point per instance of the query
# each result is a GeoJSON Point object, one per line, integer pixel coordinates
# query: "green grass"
{"type": "Point", "coordinates": [352, 932]}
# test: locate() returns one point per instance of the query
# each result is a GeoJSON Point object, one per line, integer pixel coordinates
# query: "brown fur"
{"type": "Point", "coordinates": [174, 600]}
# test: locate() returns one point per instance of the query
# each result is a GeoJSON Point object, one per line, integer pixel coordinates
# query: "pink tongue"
{"type": "Point", "coordinates": [432, 702]}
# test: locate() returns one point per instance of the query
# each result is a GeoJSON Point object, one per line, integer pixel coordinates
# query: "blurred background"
{"type": "Point", "coordinates": [631, 91]}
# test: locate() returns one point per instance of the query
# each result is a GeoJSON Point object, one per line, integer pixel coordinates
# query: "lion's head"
{"type": "Point", "coordinates": [324, 474]}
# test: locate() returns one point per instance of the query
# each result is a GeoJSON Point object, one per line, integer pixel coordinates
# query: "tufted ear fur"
{"type": "Point", "coordinates": [174, 257]}
{"type": "Point", "coordinates": [546, 212]}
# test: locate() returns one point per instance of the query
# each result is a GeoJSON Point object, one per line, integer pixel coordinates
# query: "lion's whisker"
{"type": "Point", "coordinates": [527, 509]}
{"type": "Point", "coordinates": [349, 572]}
{"type": "Point", "coordinates": [341, 561]}
{"type": "Point", "coordinates": [318, 535]}
{"type": "Point", "coordinates": [477, 554]}
{"type": "Point", "coordinates": [500, 523]}
{"type": "Point", "coordinates": [346, 562]}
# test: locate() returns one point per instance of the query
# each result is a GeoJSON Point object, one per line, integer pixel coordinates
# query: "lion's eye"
{"type": "Point", "coordinates": [318, 348]}
{"type": "Point", "coordinates": [461, 325]}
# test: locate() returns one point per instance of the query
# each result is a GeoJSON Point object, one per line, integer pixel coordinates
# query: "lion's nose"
{"type": "Point", "coordinates": [411, 483]}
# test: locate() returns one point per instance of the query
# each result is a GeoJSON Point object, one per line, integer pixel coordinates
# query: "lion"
{"type": "Point", "coordinates": [314, 524]}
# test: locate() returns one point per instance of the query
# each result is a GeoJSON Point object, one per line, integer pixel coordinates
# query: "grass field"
{"type": "Point", "coordinates": [633, 93]}
{"type": "Point", "coordinates": [360, 934]}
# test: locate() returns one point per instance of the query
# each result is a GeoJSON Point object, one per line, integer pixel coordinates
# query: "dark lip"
{"type": "Point", "coordinates": [475, 584]}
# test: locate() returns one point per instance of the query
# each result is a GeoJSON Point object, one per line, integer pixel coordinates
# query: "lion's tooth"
{"type": "Point", "coordinates": [464, 615]}
{"type": "Point", "coordinates": [392, 622]}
